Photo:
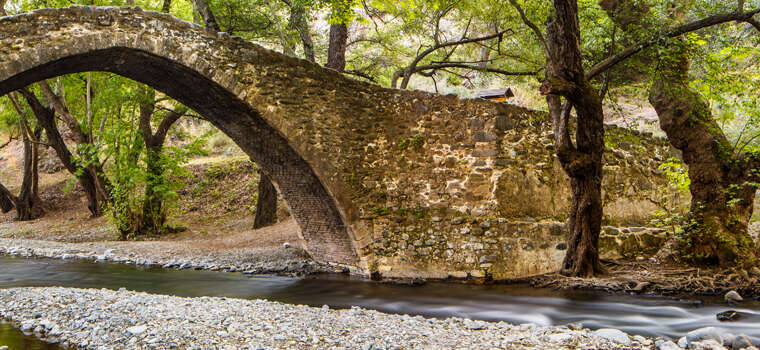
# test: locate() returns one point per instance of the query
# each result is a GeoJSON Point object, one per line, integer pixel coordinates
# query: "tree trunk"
{"type": "Point", "coordinates": [336, 51]}
{"type": "Point", "coordinates": [7, 199]}
{"type": "Point", "coordinates": [266, 205]}
{"type": "Point", "coordinates": [6, 204]}
{"type": "Point", "coordinates": [28, 204]}
{"type": "Point", "coordinates": [2, 7]}
{"type": "Point", "coordinates": [299, 23]}
{"type": "Point", "coordinates": [721, 193]}
{"type": "Point", "coordinates": [46, 119]}
{"type": "Point", "coordinates": [166, 7]}
{"type": "Point", "coordinates": [582, 162]}
{"type": "Point", "coordinates": [207, 14]}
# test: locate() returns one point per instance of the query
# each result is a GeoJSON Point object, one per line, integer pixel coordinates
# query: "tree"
{"type": "Point", "coordinates": [299, 22]}
{"type": "Point", "coordinates": [723, 179]}
{"type": "Point", "coordinates": [153, 218]}
{"type": "Point", "coordinates": [28, 203]}
{"type": "Point", "coordinates": [88, 167]}
{"type": "Point", "coordinates": [583, 161]}
{"type": "Point", "coordinates": [340, 18]}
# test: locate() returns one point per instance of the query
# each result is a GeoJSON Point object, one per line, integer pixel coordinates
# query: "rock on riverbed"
{"type": "Point", "coordinates": [105, 319]}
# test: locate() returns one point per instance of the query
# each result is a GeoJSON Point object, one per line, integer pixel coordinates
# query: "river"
{"type": "Point", "coordinates": [645, 315]}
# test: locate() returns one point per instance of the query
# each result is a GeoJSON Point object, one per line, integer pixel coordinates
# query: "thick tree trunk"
{"type": "Point", "coordinates": [336, 51]}
{"type": "Point", "coordinates": [722, 195]}
{"type": "Point", "coordinates": [266, 205]}
{"type": "Point", "coordinates": [207, 15]}
{"type": "Point", "coordinates": [46, 119]}
{"type": "Point", "coordinates": [583, 161]}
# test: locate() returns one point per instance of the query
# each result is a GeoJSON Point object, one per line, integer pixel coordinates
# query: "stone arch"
{"type": "Point", "coordinates": [226, 80]}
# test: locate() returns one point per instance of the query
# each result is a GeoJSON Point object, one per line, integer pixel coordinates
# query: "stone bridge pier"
{"type": "Point", "coordinates": [404, 183]}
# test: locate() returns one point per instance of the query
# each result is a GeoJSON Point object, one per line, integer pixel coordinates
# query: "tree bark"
{"type": "Point", "coordinates": [722, 195]}
{"type": "Point", "coordinates": [336, 51]}
{"type": "Point", "coordinates": [46, 119]}
{"type": "Point", "coordinates": [207, 15]}
{"type": "Point", "coordinates": [582, 162]}
{"type": "Point", "coordinates": [6, 204]}
{"type": "Point", "coordinates": [266, 205]}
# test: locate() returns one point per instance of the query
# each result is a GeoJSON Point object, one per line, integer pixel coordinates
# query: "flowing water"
{"type": "Point", "coordinates": [649, 316]}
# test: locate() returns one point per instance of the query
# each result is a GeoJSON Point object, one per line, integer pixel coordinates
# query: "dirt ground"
{"type": "Point", "coordinates": [215, 207]}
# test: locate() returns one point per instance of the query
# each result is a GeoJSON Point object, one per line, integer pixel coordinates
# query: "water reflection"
{"type": "Point", "coordinates": [15, 340]}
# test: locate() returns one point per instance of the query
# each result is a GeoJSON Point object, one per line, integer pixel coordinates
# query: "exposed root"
{"type": "Point", "coordinates": [658, 280]}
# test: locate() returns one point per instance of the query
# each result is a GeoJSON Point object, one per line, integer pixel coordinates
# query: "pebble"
{"type": "Point", "coordinates": [668, 345]}
{"type": "Point", "coordinates": [137, 330]}
{"type": "Point", "coordinates": [741, 341]}
{"type": "Point", "coordinates": [559, 338]}
{"type": "Point", "coordinates": [92, 318]}
{"type": "Point", "coordinates": [733, 297]}
{"type": "Point", "coordinates": [614, 335]}
{"type": "Point", "coordinates": [702, 334]}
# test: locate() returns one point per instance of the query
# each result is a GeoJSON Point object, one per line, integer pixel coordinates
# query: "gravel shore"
{"type": "Point", "coordinates": [105, 319]}
{"type": "Point", "coordinates": [174, 254]}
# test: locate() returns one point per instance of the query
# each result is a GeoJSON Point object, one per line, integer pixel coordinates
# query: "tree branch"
{"type": "Point", "coordinates": [677, 31]}
{"type": "Point", "coordinates": [530, 24]}
{"type": "Point", "coordinates": [57, 104]}
{"type": "Point", "coordinates": [467, 66]}
{"type": "Point", "coordinates": [411, 69]}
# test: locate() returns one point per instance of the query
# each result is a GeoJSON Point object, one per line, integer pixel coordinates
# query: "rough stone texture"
{"type": "Point", "coordinates": [630, 242]}
{"type": "Point", "coordinates": [404, 183]}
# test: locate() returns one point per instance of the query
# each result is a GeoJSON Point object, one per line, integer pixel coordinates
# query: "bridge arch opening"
{"type": "Point", "coordinates": [326, 235]}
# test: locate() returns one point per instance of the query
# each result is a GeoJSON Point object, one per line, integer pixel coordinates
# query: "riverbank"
{"type": "Point", "coordinates": [90, 319]}
{"type": "Point", "coordinates": [271, 250]}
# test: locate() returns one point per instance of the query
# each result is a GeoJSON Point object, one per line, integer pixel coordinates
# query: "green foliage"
{"type": "Point", "coordinates": [672, 207]}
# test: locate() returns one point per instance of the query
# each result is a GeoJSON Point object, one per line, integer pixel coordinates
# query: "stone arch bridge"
{"type": "Point", "coordinates": [405, 183]}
